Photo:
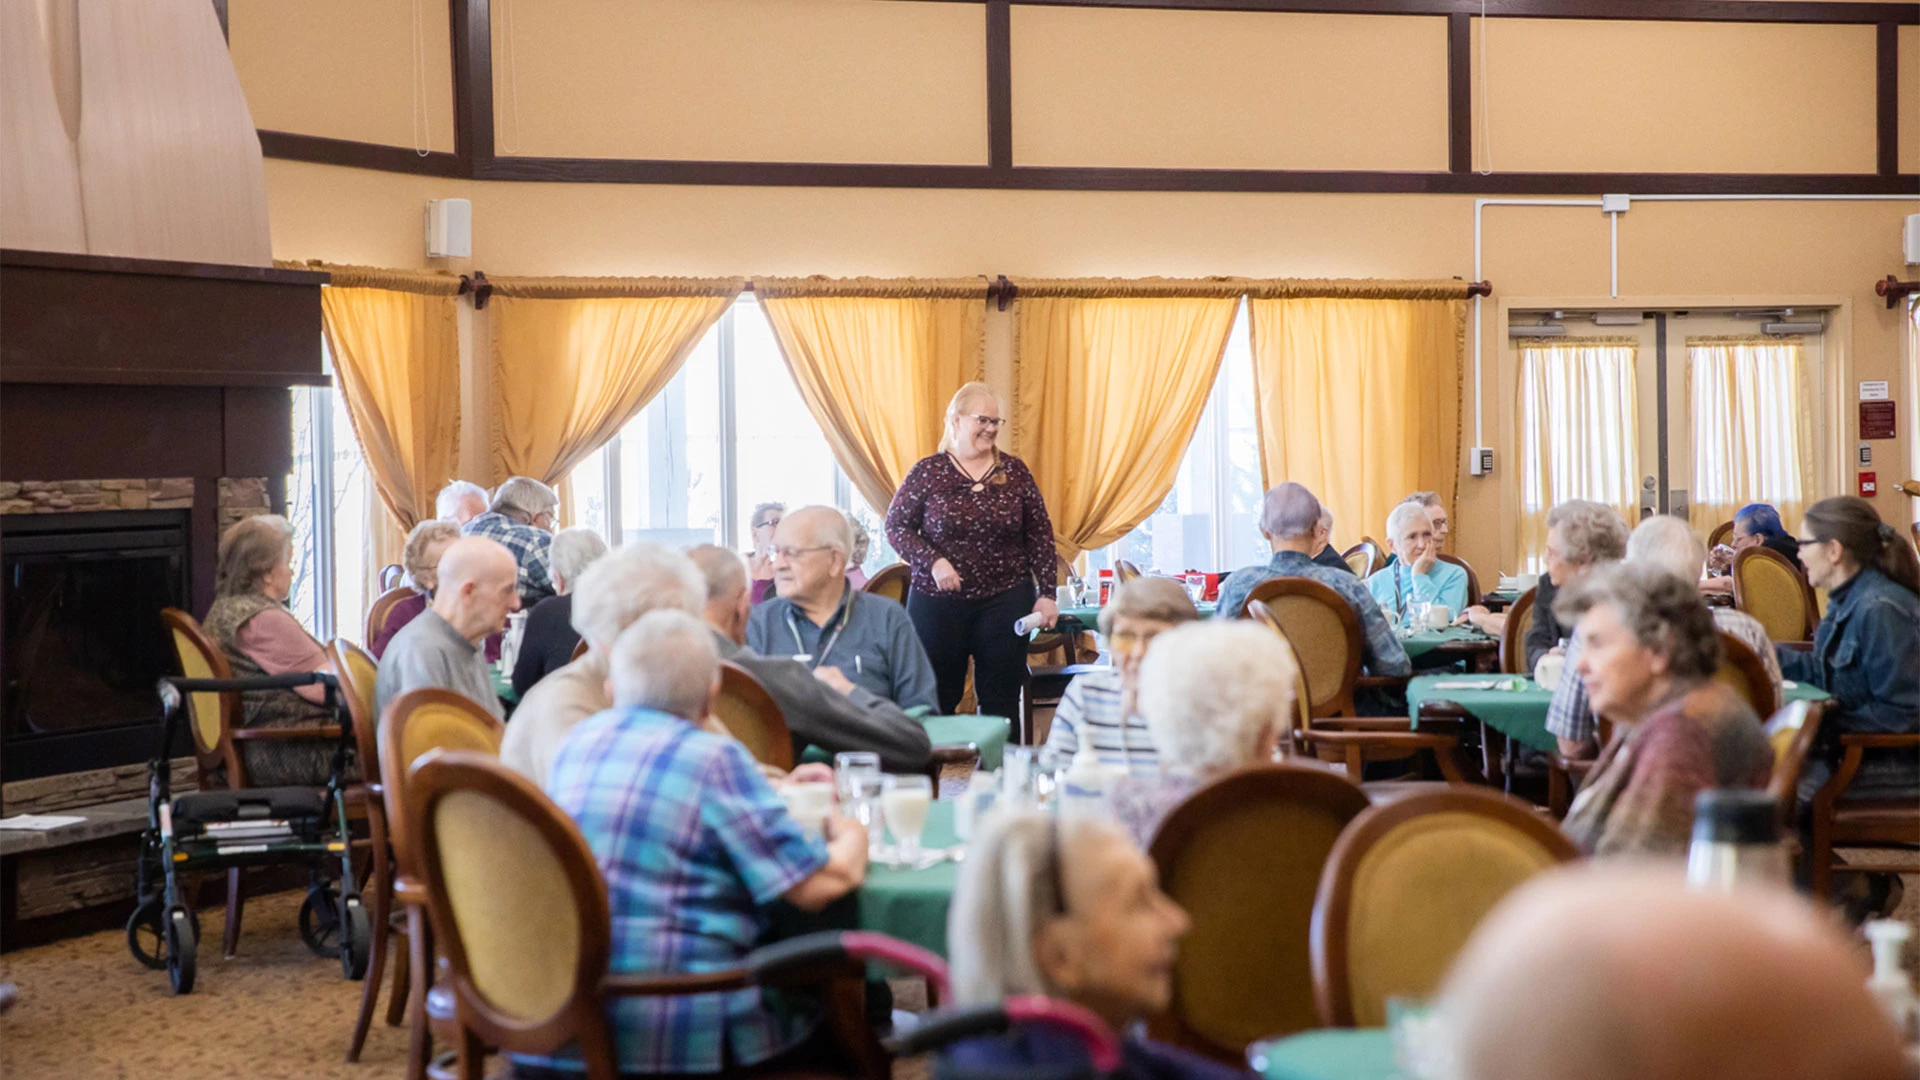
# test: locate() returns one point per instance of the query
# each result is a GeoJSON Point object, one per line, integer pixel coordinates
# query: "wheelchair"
{"type": "Point", "coordinates": [208, 831]}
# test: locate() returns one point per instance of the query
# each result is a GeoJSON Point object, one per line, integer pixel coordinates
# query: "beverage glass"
{"type": "Point", "coordinates": [1017, 764]}
{"type": "Point", "coordinates": [1197, 587]}
{"type": "Point", "coordinates": [809, 804]}
{"type": "Point", "coordinates": [856, 773]}
{"type": "Point", "coordinates": [904, 801]}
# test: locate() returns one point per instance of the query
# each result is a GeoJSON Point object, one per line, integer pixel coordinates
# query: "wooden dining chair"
{"type": "Point", "coordinates": [1745, 674]}
{"type": "Point", "coordinates": [391, 575]}
{"type": "Point", "coordinates": [1364, 558]}
{"type": "Point", "coordinates": [1243, 856]}
{"type": "Point", "coordinates": [891, 582]}
{"type": "Point", "coordinates": [1513, 636]}
{"type": "Point", "coordinates": [1473, 579]}
{"type": "Point", "coordinates": [752, 716]}
{"type": "Point", "coordinates": [1566, 774]}
{"type": "Point", "coordinates": [218, 726]}
{"type": "Point", "coordinates": [1721, 534]}
{"type": "Point", "coordinates": [1841, 818]}
{"type": "Point", "coordinates": [383, 606]}
{"type": "Point", "coordinates": [1259, 612]}
{"type": "Point", "coordinates": [1405, 886]}
{"type": "Point", "coordinates": [1124, 571]}
{"type": "Point", "coordinates": [358, 672]}
{"type": "Point", "coordinates": [1792, 732]}
{"type": "Point", "coordinates": [415, 723]}
{"type": "Point", "coordinates": [1775, 591]}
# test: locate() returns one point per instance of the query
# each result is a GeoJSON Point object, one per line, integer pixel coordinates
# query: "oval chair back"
{"type": "Point", "coordinates": [1775, 591]}
{"type": "Point", "coordinates": [1364, 558]}
{"type": "Point", "coordinates": [1792, 732]}
{"type": "Point", "coordinates": [383, 606]}
{"type": "Point", "coordinates": [416, 722]}
{"type": "Point", "coordinates": [392, 575]}
{"type": "Point", "coordinates": [1406, 885]}
{"type": "Point", "coordinates": [1325, 634]}
{"type": "Point", "coordinates": [1513, 637]}
{"type": "Point", "coordinates": [1721, 534]}
{"type": "Point", "coordinates": [753, 717]}
{"type": "Point", "coordinates": [1258, 611]}
{"type": "Point", "coordinates": [891, 582]}
{"type": "Point", "coordinates": [211, 716]}
{"type": "Point", "coordinates": [1746, 675]}
{"type": "Point", "coordinates": [1473, 579]}
{"type": "Point", "coordinates": [358, 672]}
{"type": "Point", "coordinates": [1124, 571]}
{"type": "Point", "coordinates": [1243, 856]}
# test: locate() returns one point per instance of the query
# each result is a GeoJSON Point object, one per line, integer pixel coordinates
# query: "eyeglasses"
{"type": "Point", "coordinates": [790, 553]}
{"type": "Point", "coordinates": [989, 422]}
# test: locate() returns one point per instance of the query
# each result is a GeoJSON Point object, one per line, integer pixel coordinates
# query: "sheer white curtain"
{"type": "Point", "coordinates": [1752, 431]}
{"type": "Point", "coordinates": [1579, 432]}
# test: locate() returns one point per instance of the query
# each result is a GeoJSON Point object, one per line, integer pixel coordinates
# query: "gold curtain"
{"type": "Point", "coordinates": [1579, 431]}
{"type": "Point", "coordinates": [1357, 392]}
{"type": "Point", "coordinates": [1752, 427]}
{"type": "Point", "coordinates": [575, 359]}
{"type": "Point", "coordinates": [395, 344]}
{"type": "Point", "coordinates": [1110, 379]}
{"type": "Point", "coordinates": [876, 362]}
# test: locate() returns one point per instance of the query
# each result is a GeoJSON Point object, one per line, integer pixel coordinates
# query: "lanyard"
{"type": "Point", "coordinates": [846, 613]}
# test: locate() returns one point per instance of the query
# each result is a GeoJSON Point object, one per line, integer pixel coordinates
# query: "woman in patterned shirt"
{"type": "Point", "coordinates": [970, 524]}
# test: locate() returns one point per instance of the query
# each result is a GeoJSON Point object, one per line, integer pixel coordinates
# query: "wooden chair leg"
{"type": "Point", "coordinates": [1559, 791]}
{"type": "Point", "coordinates": [419, 1043]}
{"type": "Point", "coordinates": [379, 886]}
{"type": "Point", "coordinates": [230, 945]}
{"type": "Point", "coordinates": [1448, 758]}
{"type": "Point", "coordinates": [397, 995]}
{"type": "Point", "coordinates": [472, 1056]}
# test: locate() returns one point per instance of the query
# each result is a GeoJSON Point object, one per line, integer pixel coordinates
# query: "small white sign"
{"type": "Point", "coordinates": [1874, 391]}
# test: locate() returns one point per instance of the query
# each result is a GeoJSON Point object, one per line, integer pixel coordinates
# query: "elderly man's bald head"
{"type": "Point", "coordinates": [817, 526]}
{"type": "Point", "coordinates": [1291, 513]}
{"type": "Point", "coordinates": [1623, 973]}
{"type": "Point", "coordinates": [479, 586]}
{"type": "Point", "coordinates": [475, 558]}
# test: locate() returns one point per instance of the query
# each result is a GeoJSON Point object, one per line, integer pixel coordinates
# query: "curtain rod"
{"type": "Point", "coordinates": [1895, 290]}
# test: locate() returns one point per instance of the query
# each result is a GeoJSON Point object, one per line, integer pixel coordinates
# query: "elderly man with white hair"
{"type": "Point", "coordinates": [696, 847]}
{"type": "Point", "coordinates": [842, 634]}
{"type": "Point", "coordinates": [1667, 543]}
{"type": "Point", "coordinates": [549, 640]}
{"type": "Point", "coordinates": [1288, 521]}
{"type": "Point", "coordinates": [1218, 696]}
{"type": "Point", "coordinates": [1417, 576]}
{"type": "Point", "coordinates": [460, 502]}
{"type": "Point", "coordinates": [1324, 552]}
{"type": "Point", "coordinates": [522, 516]}
{"type": "Point", "coordinates": [832, 714]}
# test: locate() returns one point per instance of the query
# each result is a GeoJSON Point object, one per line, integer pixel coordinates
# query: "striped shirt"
{"type": "Point", "coordinates": [694, 845]}
{"type": "Point", "coordinates": [1090, 709]}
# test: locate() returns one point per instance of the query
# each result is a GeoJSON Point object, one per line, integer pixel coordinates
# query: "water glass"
{"type": "Point", "coordinates": [1417, 615]}
{"type": "Point", "coordinates": [904, 801]}
{"type": "Point", "coordinates": [1197, 587]}
{"type": "Point", "coordinates": [857, 775]}
{"type": "Point", "coordinates": [1017, 765]}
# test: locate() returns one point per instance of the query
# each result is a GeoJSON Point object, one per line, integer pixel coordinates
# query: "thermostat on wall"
{"type": "Point", "coordinates": [449, 229]}
{"type": "Point", "coordinates": [1480, 461]}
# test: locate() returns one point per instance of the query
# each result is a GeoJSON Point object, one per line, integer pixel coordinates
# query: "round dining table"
{"type": "Point", "coordinates": [1328, 1054]}
{"type": "Point", "coordinates": [906, 903]}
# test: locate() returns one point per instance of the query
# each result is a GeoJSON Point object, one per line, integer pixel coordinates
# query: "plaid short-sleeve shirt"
{"type": "Point", "coordinates": [694, 845]}
{"type": "Point", "coordinates": [532, 549]}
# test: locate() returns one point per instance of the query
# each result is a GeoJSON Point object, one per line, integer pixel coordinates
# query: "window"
{"type": "Point", "coordinates": [1211, 518]}
{"type": "Point", "coordinates": [730, 431]}
{"type": "Point", "coordinates": [1751, 438]}
{"type": "Point", "coordinates": [1579, 433]}
{"type": "Point", "coordinates": [330, 504]}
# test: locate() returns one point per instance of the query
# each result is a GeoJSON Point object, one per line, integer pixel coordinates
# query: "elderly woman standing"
{"type": "Point", "coordinates": [549, 640]}
{"type": "Point", "coordinates": [1218, 696]}
{"type": "Point", "coordinates": [1648, 653]}
{"type": "Point", "coordinates": [970, 523]}
{"type": "Point", "coordinates": [1072, 910]}
{"type": "Point", "coordinates": [425, 544]}
{"type": "Point", "coordinates": [250, 622]}
{"type": "Point", "coordinates": [1099, 706]}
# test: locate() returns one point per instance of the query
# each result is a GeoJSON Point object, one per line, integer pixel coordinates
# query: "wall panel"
{"type": "Point", "coordinates": [1210, 89]}
{"type": "Point", "coordinates": [742, 80]}
{"type": "Point", "coordinates": [346, 69]}
{"type": "Point", "coordinates": [1566, 95]}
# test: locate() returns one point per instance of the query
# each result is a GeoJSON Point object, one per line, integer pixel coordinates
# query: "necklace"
{"type": "Point", "coordinates": [979, 482]}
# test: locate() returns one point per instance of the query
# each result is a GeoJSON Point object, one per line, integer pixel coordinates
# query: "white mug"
{"type": "Point", "coordinates": [1548, 671]}
{"type": "Point", "coordinates": [809, 803]}
{"type": "Point", "coordinates": [1439, 617]}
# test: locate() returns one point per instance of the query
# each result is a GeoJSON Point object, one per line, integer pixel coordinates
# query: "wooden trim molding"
{"type": "Point", "coordinates": [475, 156]}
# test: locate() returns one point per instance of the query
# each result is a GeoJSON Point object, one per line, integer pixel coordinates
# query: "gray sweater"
{"type": "Point", "coordinates": [429, 652]}
{"type": "Point", "coordinates": [818, 714]}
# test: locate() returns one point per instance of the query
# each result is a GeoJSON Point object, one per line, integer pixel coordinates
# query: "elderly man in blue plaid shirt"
{"type": "Point", "coordinates": [695, 846]}
{"type": "Point", "coordinates": [522, 517]}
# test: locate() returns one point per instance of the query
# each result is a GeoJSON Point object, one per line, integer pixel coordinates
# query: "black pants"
{"type": "Point", "coordinates": [953, 630]}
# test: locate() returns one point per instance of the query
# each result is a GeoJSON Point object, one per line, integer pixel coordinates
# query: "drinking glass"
{"type": "Point", "coordinates": [904, 801]}
{"type": "Point", "coordinates": [1017, 765]}
{"type": "Point", "coordinates": [1197, 587]}
{"type": "Point", "coordinates": [1417, 615]}
{"type": "Point", "coordinates": [856, 773]}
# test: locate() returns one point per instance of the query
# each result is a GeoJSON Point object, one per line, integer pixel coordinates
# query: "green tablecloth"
{"type": "Point", "coordinates": [502, 684]}
{"type": "Point", "coordinates": [912, 904]}
{"type": "Point", "coordinates": [1090, 616]}
{"type": "Point", "coordinates": [1329, 1054]}
{"type": "Point", "coordinates": [1426, 641]}
{"type": "Point", "coordinates": [1521, 714]}
{"type": "Point", "coordinates": [989, 733]}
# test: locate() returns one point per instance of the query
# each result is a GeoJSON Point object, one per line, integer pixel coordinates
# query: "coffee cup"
{"type": "Point", "coordinates": [1548, 671]}
{"type": "Point", "coordinates": [1439, 617]}
{"type": "Point", "coordinates": [809, 803]}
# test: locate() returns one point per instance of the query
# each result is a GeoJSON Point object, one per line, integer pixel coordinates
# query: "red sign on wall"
{"type": "Point", "coordinates": [1876, 420]}
{"type": "Point", "coordinates": [1869, 485]}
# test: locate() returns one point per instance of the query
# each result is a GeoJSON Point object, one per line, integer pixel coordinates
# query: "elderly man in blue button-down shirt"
{"type": "Point", "coordinates": [1288, 521]}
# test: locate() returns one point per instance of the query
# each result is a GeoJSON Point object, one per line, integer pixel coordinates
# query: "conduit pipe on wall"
{"type": "Point", "coordinates": [1480, 205]}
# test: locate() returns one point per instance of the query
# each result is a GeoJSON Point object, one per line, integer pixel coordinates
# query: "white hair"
{"type": "Point", "coordinates": [1210, 690]}
{"type": "Point", "coordinates": [1402, 518]}
{"type": "Point", "coordinates": [625, 584]}
{"type": "Point", "coordinates": [525, 495]}
{"type": "Point", "coordinates": [574, 550]}
{"type": "Point", "coordinates": [447, 502]}
{"type": "Point", "coordinates": [725, 571]}
{"type": "Point", "coordinates": [1326, 517]}
{"type": "Point", "coordinates": [1666, 542]}
{"type": "Point", "coordinates": [664, 661]}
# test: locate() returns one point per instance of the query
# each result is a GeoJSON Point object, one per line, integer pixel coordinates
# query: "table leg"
{"type": "Point", "coordinates": [1494, 756]}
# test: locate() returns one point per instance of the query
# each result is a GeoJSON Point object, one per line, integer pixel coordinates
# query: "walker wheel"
{"type": "Point", "coordinates": [181, 937]}
{"type": "Point", "coordinates": [147, 932]}
{"type": "Point", "coordinates": [356, 940]}
{"type": "Point", "coordinates": [320, 921]}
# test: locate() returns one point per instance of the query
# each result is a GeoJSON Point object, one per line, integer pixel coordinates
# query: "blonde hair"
{"type": "Point", "coordinates": [423, 537]}
{"type": "Point", "coordinates": [957, 407]}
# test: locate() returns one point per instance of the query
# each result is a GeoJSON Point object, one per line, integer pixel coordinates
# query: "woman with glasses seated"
{"type": "Point", "coordinates": [970, 523]}
{"type": "Point", "coordinates": [1072, 910]}
{"type": "Point", "coordinates": [1099, 706]}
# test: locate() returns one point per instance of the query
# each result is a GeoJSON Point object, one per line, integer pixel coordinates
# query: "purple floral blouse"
{"type": "Point", "coordinates": [995, 538]}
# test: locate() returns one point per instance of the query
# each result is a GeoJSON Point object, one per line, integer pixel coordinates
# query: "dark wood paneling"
{"type": "Point", "coordinates": [999, 84]}
{"type": "Point", "coordinates": [126, 325]}
{"type": "Point", "coordinates": [472, 80]}
{"type": "Point", "coordinates": [360, 155]}
{"type": "Point", "coordinates": [109, 432]}
{"type": "Point", "coordinates": [1636, 10]}
{"type": "Point", "coordinates": [256, 429]}
{"type": "Point", "coordinates": [115, 264]}
{"type": "Point", "coordinates": [1887, 93]}
{"type": "Point", "coordinates": [1459, 93]}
